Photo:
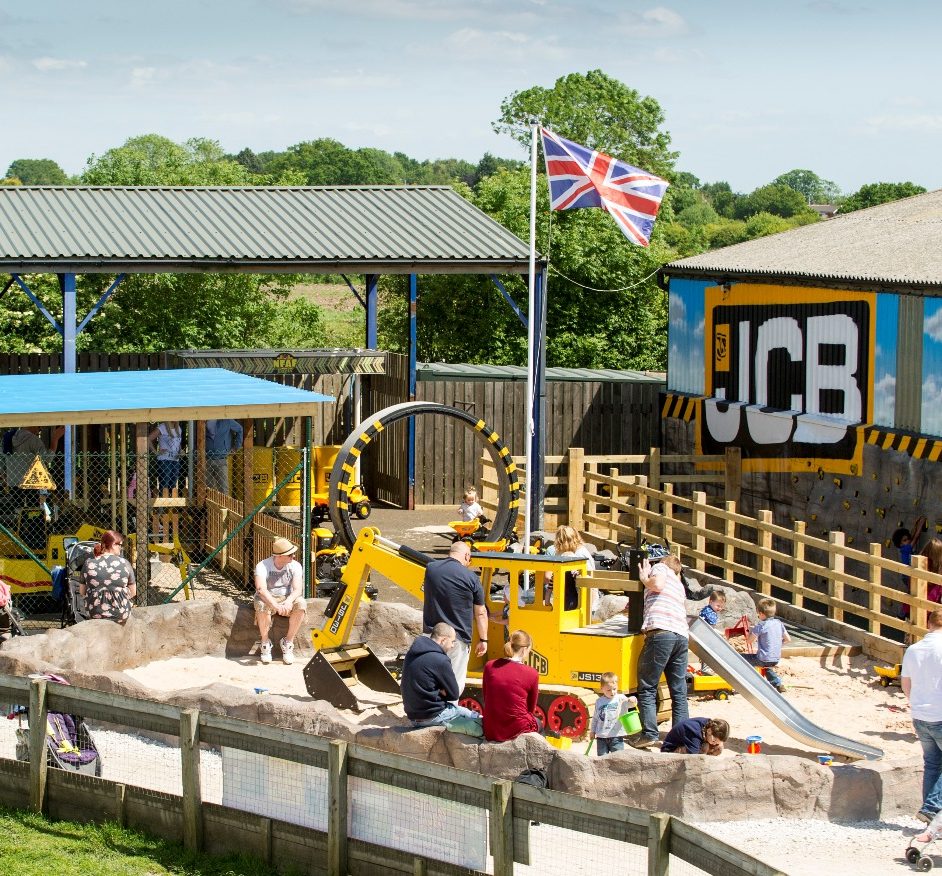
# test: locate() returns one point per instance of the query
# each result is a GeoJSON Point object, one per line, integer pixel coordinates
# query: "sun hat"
{"type": "Point", "coordinates": [281, 547]}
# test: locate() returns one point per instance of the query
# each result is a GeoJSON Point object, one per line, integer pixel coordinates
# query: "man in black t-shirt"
{"type": "Point", "coordinates": [453, 595]}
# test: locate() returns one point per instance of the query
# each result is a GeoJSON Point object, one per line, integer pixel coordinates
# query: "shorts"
{"type": "Point", "coordinates": [263, 607]}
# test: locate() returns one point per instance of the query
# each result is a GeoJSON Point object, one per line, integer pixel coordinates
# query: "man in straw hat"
{"type": "Point", "coordinates": [279, 589]}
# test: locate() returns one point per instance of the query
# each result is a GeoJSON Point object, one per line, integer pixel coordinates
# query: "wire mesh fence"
{"type": "Point", "coordinates": [193, 533]}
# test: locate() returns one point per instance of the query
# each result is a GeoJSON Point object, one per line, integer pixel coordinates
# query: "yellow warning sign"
{"type": "Point", "coordinates": [38, 477]}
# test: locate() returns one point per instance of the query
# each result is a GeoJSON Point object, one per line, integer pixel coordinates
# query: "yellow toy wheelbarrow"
{"type": "Point", "coordinates": [889, 674]}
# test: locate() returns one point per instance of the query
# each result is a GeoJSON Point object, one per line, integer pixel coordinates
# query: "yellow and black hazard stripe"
{"type": "Point", "coordinates": [679, 407]}
{"type": "Point", "coordinates": [916, 446]}
{"type": "Point", "coordinates": [343, 474]}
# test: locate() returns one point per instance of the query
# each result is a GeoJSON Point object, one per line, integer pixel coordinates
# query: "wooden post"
{"type": "Point", "coordinates": [248, 493]}
{"type": "Point", "coordinates": [37, 745]}
{"type": "Point", "coordinates": [835, 570]}
{"type": "Point", "coordinates": [124, 479]}
{"type": "Point", "coordinates": [798, 575]}
{"type": "Point", "coordinates": [729, 534]}
{"type": "Point", "coordinates": [337, 808]}
{"type": "Point", "coordinates": [875, 578]}
{"type": "Point", "coordinates": [418, 867]}
{"type": "Point", "coordinates": [654, 468]}
{"type": "Point", "coordinates": [113, 465]}
{"type": "Point", "coordinates": [192, 795]}
{"type": "Point", "coordinates": [668, 506]}
{"type": "Point", "coordinates": [612, 510]}
{"type": "Point", "coordinates": [120, 804]}
{"type": "Point", "coordinates": [199, 476]}
{"type": "Point", "coordinates": [142, 512]}
{"type": "Point", "coordinates": [266, 839]}
{"type": "Point", "coordinates": [765, 543]}
{"type": "Point", "coordinates": [224, 553]}
{"type": "Point", "coordinates": [502, 827]}
{"type": "Point", "coordinates": [918, 616]}
{"type": "Point", "coordinates": [698, 519]}
{"type": "Point", "coordinates": [575, 486]}
{"type": "Point", "coordinates": [659, 844]}
{"type": "Point", "coordinates": [642, 504]}
{"type": "Point", "coordinates": [733, 474]}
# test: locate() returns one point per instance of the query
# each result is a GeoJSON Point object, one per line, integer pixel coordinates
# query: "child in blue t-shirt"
{"type": "Point", "coordinates": [769, 635]}
{"type": "Point", "coordinates": [607, 729]}
{"type": "Point", "coordinates": [711, 612]}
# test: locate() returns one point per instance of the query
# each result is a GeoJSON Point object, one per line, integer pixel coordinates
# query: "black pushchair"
{"type": "Point", "coordinates": [67, 580]}
{"type": "Point", "coordinates": [69, 743]}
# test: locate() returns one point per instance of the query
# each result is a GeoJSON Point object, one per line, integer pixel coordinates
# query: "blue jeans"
{"type": "Point", "coordinates": [609, 745]}
{"type": "Point", "coordinates": [458, 719]}
{"type": "Point", "coordinates": [168, 473]}
{"type": "Point", "coordinates": [771, 676]}
{"type": "Point", "coordinates": [663, 653]}
{"type": "Point", "coordinates": [930, 735]}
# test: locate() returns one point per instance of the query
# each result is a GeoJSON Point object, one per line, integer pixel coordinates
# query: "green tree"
{"type": "Point", "coordinates": [775, 199]}
{"type": "Point", "coordinates": [879, 193]}
{"type": "Point", "coordinates": [725, 232]}
{"type": "Point", "coordinates": [152, 160]}
{"type": "Point", "coordinates": [597, 111]}
{"type": "Point", "coordinates": [721, 197]}
{"type": "Point", "coordinates": [762, 224]}
{"type": "Point", "coordinates": [814, 188]}
{"type": "Point", "coordinates": [37, 172]}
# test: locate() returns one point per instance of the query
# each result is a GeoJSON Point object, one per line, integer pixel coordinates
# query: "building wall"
{"type": "Point", "coordinates": [833, 396]}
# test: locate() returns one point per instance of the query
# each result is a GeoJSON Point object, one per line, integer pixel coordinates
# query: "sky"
{"type": "Point", "coordinates": [750, 88]}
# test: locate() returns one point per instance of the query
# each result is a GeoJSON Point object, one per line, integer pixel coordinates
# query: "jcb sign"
{"type": "Point", "coordinates": [787, 382]}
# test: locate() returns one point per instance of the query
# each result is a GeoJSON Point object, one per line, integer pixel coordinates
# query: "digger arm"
{"type": "Point", "coordinates": [371, 552]}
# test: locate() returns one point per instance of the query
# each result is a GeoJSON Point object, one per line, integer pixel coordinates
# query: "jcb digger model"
{"type": "Point", "coordinates": [570, 653]}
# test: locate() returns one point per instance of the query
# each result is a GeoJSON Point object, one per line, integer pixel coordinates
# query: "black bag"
{"type": "Point", "coordinates": [535, 777]}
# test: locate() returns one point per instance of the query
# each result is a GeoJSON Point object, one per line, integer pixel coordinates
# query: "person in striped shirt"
{"type": "Point", "coordinates": [665, 631]}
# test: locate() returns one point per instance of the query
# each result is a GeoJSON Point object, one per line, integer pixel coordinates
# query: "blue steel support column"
{"type": "Point", "coordinates": [372, 299]}
{"type": "Point", "coordinates": [69, 333]}
{"type": "Point", "coordinates": [410, 440]}
{"type": "Point", "coordinates": [538, 445]}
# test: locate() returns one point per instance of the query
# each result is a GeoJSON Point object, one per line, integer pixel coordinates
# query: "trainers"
{"type": "Point", "coordinates": [287, 651]}
{"type": "Point", "coordinates": [645, 742]}
{"type": "Point", "coordinates": [924, 817]}
{"type": "Point", "coordinates": [781, 688]}
{"type": "Point", "coordinates": [264, 653]}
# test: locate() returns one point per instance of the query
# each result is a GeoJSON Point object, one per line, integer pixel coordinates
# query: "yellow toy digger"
{"type": "Point", "coordinates": [570, 652]}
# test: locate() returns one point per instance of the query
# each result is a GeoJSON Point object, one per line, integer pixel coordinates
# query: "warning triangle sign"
{"type": "Point", "coordinates": [38, 477]}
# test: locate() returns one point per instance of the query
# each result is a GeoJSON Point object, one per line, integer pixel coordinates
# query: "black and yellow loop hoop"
{"type": "Point", "coordinates": [343, 474]}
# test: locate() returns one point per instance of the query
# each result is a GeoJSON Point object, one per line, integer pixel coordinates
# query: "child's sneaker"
{"type": "Point", "coordinates": [287, 651]}
{"type": "Point", "coordinates": [264, 653]}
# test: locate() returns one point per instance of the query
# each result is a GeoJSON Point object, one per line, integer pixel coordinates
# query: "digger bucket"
{"type": "Point", "coordinates": [332, 673]}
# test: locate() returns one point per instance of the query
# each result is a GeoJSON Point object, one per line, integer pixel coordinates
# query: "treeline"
{"type": "Point", "coordinates": [605, 309]}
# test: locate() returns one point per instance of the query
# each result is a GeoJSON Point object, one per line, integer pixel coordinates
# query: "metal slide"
{"type": "Point", "coordinates": [713, 649]}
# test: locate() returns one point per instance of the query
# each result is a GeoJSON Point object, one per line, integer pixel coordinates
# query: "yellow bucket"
{"type": "Point", "coordinates": [560, 742]}
{"type": "Point", "coordinates": [262, 473]}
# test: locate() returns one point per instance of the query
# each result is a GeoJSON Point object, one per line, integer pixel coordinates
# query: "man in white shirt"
{"type": "Point", "coordinates": [279, 589]}
{"type": "Point", "coordinates": [922, 683]}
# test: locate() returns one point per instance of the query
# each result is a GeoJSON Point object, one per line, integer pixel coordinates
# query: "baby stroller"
{"type": "Point", "coordinates": [69, 743]}
{"type": "Point", "coordinates": [67, 580]}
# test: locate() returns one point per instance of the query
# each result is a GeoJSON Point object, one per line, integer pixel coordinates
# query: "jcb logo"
{"type": "Point", "coordinates": [795, 375]}
{"type": "Point", "coordinates": [538, 662]}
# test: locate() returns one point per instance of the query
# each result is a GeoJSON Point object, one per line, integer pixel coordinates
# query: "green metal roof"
{"type": "Point", "coordinates": [447, 371]}
{"type": "Point", "coordinates": [356, 229]}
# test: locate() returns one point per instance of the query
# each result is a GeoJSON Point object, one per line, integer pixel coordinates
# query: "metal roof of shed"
{"type": "Point", "coordinates": [360, 229]}
{"type": "Point", "coordinates": [896, 245]}
{"type": "Point", "coordinates": [147, 396]}
{"type": "Point", "coordinates": [449, 371]}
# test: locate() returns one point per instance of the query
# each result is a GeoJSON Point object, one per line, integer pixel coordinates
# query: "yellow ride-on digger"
{"type": "Point", "coordinates": [570, 652]}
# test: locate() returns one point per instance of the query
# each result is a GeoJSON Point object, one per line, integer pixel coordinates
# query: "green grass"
{"type": "Point", "coordinates": [33, 846]}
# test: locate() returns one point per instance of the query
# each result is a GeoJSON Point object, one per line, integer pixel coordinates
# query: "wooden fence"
{"type": "Point", "coordinates": [822, 576]}
{"type": "Point", "coordinates": [204, 825]}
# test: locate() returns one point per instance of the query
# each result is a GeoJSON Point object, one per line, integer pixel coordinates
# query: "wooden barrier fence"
{"type": "Point", "coordinates": [215, 828]}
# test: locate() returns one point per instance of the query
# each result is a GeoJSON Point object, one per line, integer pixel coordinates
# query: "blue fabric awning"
{"type": "Point", "coordinates": [147, 396]}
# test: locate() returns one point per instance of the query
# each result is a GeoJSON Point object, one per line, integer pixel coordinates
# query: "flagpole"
{"type": "Point", "coordinates": [531, 344]}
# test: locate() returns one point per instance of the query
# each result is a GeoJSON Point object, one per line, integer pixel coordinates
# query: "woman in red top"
{"type": "Point", "coordinates": [511, 689]}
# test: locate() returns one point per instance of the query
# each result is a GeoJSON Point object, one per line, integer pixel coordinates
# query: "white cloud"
{"type": "Point", "coordinates": [355, 79]}
{"type": "Point", "coordinates": [931, 407]}
{"type": "Point", "coordinates": [884, 400]}
{"type": "Point", "coordinates": [659, 22]}
{"type": "Point", "coordinates": [377, 130]}
{"type": "Point", "coordinates": [677, 310]}
{"type": "Point", "coordinates": [46, 65]}
{"type": "Point", "coordinates": [933, 326]}
{"type": "Point", "coordinates": [141, 76]}
{"type": "Point", "coordinates": [927, 122]}
{"type": "Point", "coordinates": [699, 329]}
{"type": "Point", "coordinates": [417, 10]}
{"type": "Point", "coordinates": [470, 43]}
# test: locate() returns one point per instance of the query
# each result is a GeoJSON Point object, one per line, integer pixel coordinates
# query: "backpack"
{"type": "Point", "coordinates": [8, 440]}
{"type": "Point", "coordinates": [535, 777]}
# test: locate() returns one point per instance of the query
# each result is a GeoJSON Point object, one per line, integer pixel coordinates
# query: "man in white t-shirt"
{"type": "Point", "coordinates": [922, 683]}
{"type": "Point", "coordinates": [279, 589]}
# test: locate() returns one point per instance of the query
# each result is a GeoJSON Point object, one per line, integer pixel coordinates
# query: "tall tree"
{"type": "Point", "coordinates": [879, 193]}
{"type": "Point", "coordinates": [814, 188]}
{"type": "Point", "coordinates": [775, 199]}
{"type": "Point", "coordinates": [37, 172]}
{"type": "Point", "coordinates": [597, 111]}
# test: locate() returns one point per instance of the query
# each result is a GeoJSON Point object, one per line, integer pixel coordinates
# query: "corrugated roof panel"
{"type": "Point", "coordinates": [895, 244]}
{"type": "Point", "coordinates": [423, 228]}
{"type": "Point", "coordinates": [466, 371]}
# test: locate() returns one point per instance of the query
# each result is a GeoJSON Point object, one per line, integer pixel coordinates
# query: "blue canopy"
{"type": "Point", "coordinates": [147, 396]}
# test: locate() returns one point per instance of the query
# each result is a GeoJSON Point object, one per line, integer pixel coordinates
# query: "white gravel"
{"type": "Point", "coordinates": [796, 847]}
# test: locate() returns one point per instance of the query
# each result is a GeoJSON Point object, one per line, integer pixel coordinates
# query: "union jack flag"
{"type": "Point", "coordinates": [581, 177]}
